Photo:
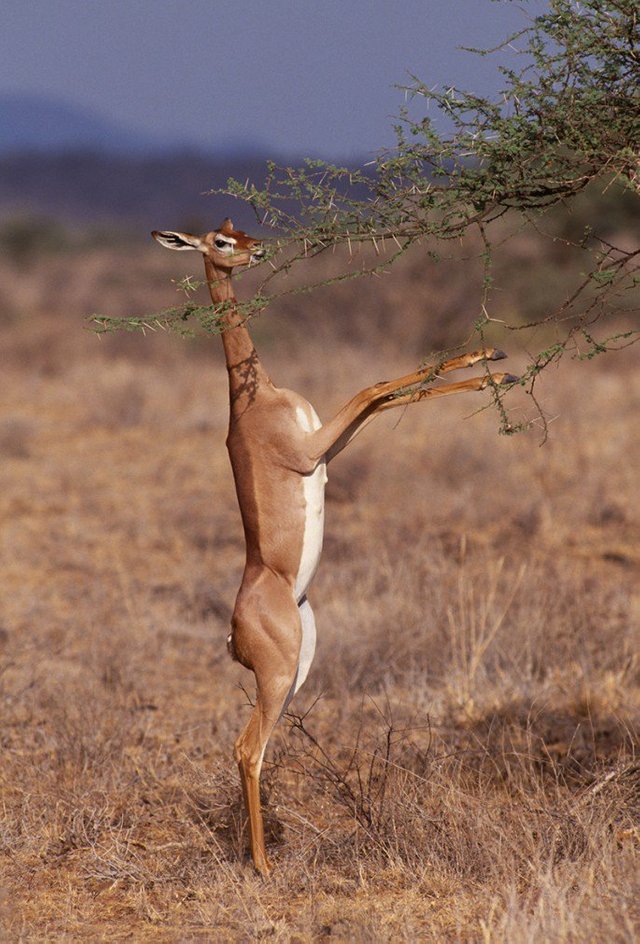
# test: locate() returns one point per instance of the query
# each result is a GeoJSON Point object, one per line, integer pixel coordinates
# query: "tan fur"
{"type": "Point", "coordinates": [270, 454]}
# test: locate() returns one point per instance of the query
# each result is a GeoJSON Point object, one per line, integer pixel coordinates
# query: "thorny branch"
{"type": "Point", "coordinates": [565, 123]}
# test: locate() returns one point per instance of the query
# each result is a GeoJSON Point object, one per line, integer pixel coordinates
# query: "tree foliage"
{"type": "Point", "coordinates": [567, 118]}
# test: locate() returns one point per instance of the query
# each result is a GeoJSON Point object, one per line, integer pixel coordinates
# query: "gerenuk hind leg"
{"type": "Point", "coordinates": [267, 639]}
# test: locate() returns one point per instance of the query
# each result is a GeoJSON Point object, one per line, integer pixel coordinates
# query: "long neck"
{"type": "Point", "coordinates": [246, 373]}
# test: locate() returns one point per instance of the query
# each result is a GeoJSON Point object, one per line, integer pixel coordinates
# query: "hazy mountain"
{"type": "Point", "coordinates": [59, 161]}
{"type": "Point", "coordinates": [34, 123]}
{"type": "Point", "coordinates": [162, 191]}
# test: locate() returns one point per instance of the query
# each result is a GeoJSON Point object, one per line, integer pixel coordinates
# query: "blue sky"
{"type": "Point", "coordinates": [288, 76]}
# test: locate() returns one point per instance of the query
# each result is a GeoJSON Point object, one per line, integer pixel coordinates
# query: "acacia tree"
{"type": "Point", "coordinates": [567, 118]}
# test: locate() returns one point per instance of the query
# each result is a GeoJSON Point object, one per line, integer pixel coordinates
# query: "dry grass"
{"type": "Point", "coordinates": [462, 765]}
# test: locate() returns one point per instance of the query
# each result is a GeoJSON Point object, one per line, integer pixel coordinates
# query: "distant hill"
{"type": "Point", "coordinates": [62, 162]}
{"type": "Point", "coordinates": [162, 191]}
{"type": "Point", "coordinates": [36, 123]}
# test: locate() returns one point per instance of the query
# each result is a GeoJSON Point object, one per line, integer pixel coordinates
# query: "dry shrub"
{"type": "Point", "coordinates": [15, 438]}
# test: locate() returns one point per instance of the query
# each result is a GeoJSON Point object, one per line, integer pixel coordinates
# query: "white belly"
{"type": "Point", "coordinates": [313, 485]}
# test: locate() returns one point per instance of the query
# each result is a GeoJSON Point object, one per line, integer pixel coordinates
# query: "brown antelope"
{"type": "Point", "coordinates": [279, 452]}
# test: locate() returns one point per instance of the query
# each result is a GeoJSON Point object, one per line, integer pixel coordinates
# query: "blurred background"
{"type": "Point", "coordinates": [476, 680]}
{"type": "Point", "coordinates": [117, 113]}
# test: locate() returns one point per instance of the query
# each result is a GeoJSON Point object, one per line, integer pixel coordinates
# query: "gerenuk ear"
{"type": "Point", "coordinates": [180, 241]}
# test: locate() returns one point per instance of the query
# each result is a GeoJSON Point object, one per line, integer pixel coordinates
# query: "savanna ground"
{"type": "Point", "coordinates": [463, 765]}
